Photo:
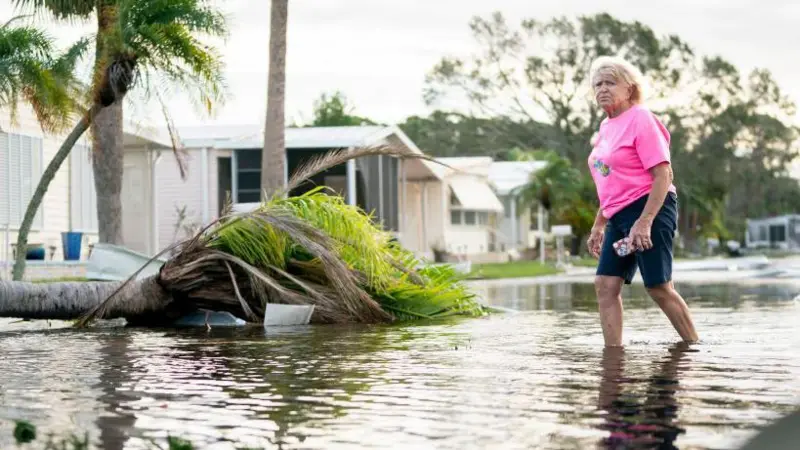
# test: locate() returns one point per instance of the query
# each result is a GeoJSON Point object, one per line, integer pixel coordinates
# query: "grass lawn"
{"type": "Point", "coordinates": [586, 261]}
{"type": "Point", "coordinates": [59, 280]}
{"type": "Point", "coordinates": [516, 269]}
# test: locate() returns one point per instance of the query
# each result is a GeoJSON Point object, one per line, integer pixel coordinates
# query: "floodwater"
{"type": "Point", "coordinates": [538, 378]}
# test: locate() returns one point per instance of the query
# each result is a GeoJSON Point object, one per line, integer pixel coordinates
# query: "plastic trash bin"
{"type": "Point", "coordinates": [71, 245]}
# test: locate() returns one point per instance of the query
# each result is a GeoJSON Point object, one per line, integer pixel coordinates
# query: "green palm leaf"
{"type": "Point", "coordinates": [31, 71]}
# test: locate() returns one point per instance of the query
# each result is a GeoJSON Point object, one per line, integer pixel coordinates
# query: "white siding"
{"type": "Point", "coordinates": [411, 217]}
{"type": "Point", "coordinates": [140, 227]}
{"type": "Point", "coordinates": [83, 195]}
{"type": "Point", "coordinates": [174, 194]}
{"type": "Point", "coordinates": [137, 227]}
{"type": "Point", "coordinates": [464, 240]}
{"type": "Point", "coordinates": [423, 201]}
{"type": "Point", "coordinates": [54, 215]}
{"type": "Point", "coordinates": [20, 170]}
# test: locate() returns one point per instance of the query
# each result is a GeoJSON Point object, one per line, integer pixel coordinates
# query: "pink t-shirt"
{"type": "Point", "coordinates": [627, 147]}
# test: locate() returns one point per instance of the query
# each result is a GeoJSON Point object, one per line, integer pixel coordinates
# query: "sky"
{"type": "Point", "coordinates": [377, 52]}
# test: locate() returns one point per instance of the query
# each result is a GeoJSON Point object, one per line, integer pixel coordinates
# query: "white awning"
{"type": "Point", "coordinates": [475, 194]}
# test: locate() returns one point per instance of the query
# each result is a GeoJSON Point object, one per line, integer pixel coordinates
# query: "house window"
{"type": "Point", "coordinates": [20, 170]}
{"type": "Point", "coordinates": [470, 217]}
{"type": "Point", "coordinates": [248, 176]}
{"type": "Point", "coordinates": [777, 233]}
{"type": "Point", "coordinates": [762, 233]}
{"type": "Point", "coordinates": [83, 196]}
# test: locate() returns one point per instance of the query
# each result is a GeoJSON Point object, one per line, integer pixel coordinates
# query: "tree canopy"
{"type": "Point", "coordinates": [526, 86]}
{"type": "Point", "coordinates": [334, 110]}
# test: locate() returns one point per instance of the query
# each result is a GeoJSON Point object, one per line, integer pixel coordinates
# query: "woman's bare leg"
{"type": "Point", "coordinates": [673, 305]}
{"type": "Point", "coordinates": [609, 303]}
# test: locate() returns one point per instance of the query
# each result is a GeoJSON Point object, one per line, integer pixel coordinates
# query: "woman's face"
{"type": "Point", "coordinates": [609, 92]}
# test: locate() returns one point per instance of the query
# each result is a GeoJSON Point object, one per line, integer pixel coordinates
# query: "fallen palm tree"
{"type": "Point", "coordinates": [311, 249]}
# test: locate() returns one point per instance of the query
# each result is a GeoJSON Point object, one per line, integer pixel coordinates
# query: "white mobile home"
{"type": "Point", "coordinates": [516, 228]}
{"type": "Point", "coordinates": [780, 232]}
{"type": "Point", "coordinates": [225, 162]}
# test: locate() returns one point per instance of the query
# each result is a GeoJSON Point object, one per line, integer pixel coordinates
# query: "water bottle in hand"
{"type": "Point", "coordinates": [624, 247]}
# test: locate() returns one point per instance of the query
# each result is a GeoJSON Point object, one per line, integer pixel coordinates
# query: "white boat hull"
{"type": "Point", "coordinates": [115, 263]}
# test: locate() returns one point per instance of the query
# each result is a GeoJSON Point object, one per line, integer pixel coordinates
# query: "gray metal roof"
{"type": "Point", "coordinates": [252, 136]}
{"type": "Point", "coordinates": [208, 136]}
{"type": "Point", "coordinates": [772, 219]}
{"type": "Point", "coordinates": [326, 137]}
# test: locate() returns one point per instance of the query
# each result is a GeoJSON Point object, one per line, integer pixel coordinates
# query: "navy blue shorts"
{"type": "Point", "coordinates": [654, 264]}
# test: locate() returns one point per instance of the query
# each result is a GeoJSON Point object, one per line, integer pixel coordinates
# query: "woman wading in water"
{"type": "Point", "coordinates": [630, 165]}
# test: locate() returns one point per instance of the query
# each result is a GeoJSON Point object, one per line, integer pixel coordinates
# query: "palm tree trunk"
{"type": "Point", "coordinates": [108, 166]}
{"type": "Point", "coordinates": [41, 189]}
{"type": "Point", "coordinates": [68, 301]}
{"type": "Point", "coordinates": [107, 137]}
{"type": "Point", "coordinates": [273, 162]}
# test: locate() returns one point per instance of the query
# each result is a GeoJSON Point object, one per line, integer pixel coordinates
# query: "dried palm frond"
{"type": "Point", "coordinates": [321, 163]}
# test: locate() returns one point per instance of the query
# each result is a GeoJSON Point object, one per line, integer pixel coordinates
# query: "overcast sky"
{"type": "Point", "coordinates": [378, 51]}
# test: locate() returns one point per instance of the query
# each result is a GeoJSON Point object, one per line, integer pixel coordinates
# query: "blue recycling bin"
{"type": "Point", "coordinates": [71, 245]}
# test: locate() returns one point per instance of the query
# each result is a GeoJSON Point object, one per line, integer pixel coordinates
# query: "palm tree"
{"type": "Point", "coordinates": [273, 160]}
{"type": "Point", "coordinates": [553, 185]}
{"type": "Point", "coordinates": [309, 249]}
{"type": "Point", "coordinates": [150, 41]}
{"type": "Point", "coordinates": [567, 194]}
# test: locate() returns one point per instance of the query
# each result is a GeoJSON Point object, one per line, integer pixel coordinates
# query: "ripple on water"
{"type": "Point", "coordinates": [537, 378]}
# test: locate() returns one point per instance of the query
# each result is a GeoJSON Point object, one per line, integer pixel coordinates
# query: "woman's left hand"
{"type": "Point", "coordinates": [640, 234]}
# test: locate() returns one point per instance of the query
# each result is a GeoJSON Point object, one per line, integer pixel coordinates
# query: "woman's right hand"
{"type": "Point", "coordinates": [595, 242]}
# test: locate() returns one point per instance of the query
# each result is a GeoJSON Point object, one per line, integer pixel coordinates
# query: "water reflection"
{"type": "Point", "coordinates": [641, 419]}
{"type": "Point", "coordinates": [581, 296]}
{"type": "Point", "coordinates": [114, 422]}
{"type": "Point", "coordinates": [238, 385]}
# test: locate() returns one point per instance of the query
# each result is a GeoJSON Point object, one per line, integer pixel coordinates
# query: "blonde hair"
{"type": "Point", "coordinates": [621, 70]}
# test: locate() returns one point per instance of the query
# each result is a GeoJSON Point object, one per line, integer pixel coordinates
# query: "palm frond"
{"type": "Point", "coordinates": [31, 70]}
{"type": "Point", "coordinates": [178, 150]}
{"type": "Point", "coordinates": [359, 241]}
{"type": "Point", "coordinates": [164, 38]}
{"type": "Point", "coordinates": [60, 9]}
{"type": "Point", "coordinates": [429, 292]}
